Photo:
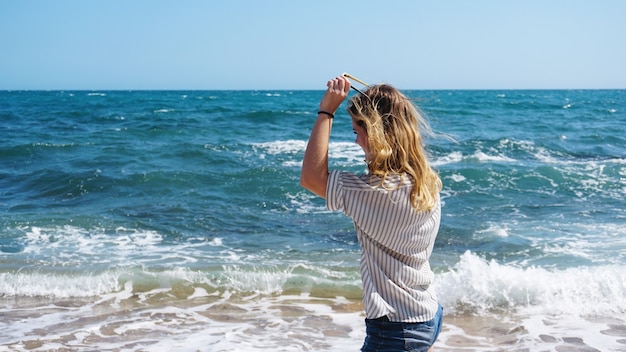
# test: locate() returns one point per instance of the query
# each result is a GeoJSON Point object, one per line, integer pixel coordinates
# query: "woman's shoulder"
{"type": "Point", "coordinates": [351, 179]}
{"type": "Point", "coordinates": [372, 181]}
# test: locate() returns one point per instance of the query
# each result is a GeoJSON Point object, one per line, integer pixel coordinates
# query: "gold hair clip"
{"type": "Point", "coordinates": [347, 75]}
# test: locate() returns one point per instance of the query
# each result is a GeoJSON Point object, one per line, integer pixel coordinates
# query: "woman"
{"type": "Point", "coordinates": [395, 208]}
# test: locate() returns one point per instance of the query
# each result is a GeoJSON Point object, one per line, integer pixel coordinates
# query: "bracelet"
{"type": "Point", "coordinates": [332, 116]}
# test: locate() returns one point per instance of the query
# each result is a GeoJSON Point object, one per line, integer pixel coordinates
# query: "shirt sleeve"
{"type": "Point", "coordinates": [334, 191]}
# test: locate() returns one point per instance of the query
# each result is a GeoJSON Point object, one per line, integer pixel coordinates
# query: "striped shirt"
{"type": "Point", "coordinates": [396, 244]}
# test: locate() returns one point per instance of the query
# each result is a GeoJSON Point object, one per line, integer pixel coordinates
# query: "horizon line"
{"type": "Point", "coordinates": [273, 89]}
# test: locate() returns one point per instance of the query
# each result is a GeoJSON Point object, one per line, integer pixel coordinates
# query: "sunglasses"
{"type": "Point", "coordinates": [347, 75]}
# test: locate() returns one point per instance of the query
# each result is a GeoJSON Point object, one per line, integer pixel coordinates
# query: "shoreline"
{"type": "Point", "coordinates": [160, 321]}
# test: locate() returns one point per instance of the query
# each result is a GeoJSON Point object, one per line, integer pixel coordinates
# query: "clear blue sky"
{"type": "Point", "coordinates": [294, 44]}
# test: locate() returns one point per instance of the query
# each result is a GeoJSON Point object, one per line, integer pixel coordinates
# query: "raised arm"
{"type": "Point", "coordinates": [315, 164]}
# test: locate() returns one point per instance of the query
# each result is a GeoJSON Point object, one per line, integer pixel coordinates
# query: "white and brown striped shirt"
{"type": "Point", "coordinates": [396, 244]}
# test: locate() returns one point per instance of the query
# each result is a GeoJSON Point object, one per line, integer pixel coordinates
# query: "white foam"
{"type": "Point", "coordinates": [282, 147]}
{"type": "Point", "coordinates": [342, 153]}
{"type": "Point", "coordinates": [482, 286]}
{"type": "Point", "coordinates": [456, 157]}
{"type": "Point", "coordinates": [292, 163]}
{"type": "Point", "coordinates": [548, 332]}
{"type": "Point", "coordinates": [198, 292]}
{"type": "Point", "coordinates": [35, 283]}
{"type": "Point", "coordinates": [494, 230]}
{"type": "Point", "coordinates": [451, 158]}
{"type": "Point", "coordinates": [586, 240]}
{"type": "Point", "coordinates": [305, 202]}
{"type": "Point", "coordinates": [544, 302]}
{"type": "Point", "coordinates": [261, 323]}
{"type": "Point", "coordinates": [346, 153]}
{"type": "Point", "coordinates": [457, 178]}
{"type": "Point", "coordinates": [484, 157]}
{"type": "Point", "coordinates": [254, 279]}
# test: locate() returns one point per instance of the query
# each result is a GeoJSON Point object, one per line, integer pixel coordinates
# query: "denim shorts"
{"type": "Point", "coordinates": [386, 336]}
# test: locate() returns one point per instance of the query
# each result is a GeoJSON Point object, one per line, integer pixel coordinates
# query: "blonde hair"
{"type": "Point", "coordinates": [393, 125]}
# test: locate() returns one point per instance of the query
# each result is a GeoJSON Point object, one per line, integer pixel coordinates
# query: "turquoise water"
{"type": "Point", "coordinates": [108, 192]}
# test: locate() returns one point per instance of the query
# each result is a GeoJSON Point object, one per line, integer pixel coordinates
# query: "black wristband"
{"type": "Point", "coordinates": [332, 116]}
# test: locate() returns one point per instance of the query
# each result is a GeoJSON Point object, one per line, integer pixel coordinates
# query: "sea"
{"type": "Point", "coordinates": [175, 221]}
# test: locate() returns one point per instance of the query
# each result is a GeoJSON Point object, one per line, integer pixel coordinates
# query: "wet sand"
{"type": "Point", "coordinates": [163, 322]}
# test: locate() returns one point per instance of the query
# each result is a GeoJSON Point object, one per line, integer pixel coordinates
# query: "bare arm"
{"type": "Point", "coordinates": [315, 164]}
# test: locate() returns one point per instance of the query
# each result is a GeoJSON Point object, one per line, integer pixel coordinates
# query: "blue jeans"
{"type": "Point", "coordinates": [386, 336]}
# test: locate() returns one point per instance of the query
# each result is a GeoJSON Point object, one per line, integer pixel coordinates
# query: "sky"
{"type": "Point", "coordinates": [292, 45]}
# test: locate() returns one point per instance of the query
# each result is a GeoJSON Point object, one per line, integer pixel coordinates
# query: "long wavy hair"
{"type": "Point", "coordinates": [393, 124]}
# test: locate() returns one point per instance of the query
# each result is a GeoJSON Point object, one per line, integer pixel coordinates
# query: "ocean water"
{"type": "Point", "coordinates": [174, 221]}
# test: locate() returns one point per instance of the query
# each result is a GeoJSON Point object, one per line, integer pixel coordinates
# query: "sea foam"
{"type": "Point", "coordinates": [482, 287]}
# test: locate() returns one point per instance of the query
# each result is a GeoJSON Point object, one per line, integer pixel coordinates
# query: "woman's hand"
{"type": "Point", "coordinates": [336, 93]}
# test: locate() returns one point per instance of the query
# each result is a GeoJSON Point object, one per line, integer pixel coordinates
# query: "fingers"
{"type": "Point", "coordinates": [338, 89]}
{"type": "Point", "coordinates": [340, 85]}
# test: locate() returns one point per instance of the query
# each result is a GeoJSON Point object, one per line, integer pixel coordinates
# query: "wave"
{"type": "Point", "coordinates": [37, 284]}
{"type": "Point", "coordinates": [236, 279]}
{"type": "Point", "coordinates": [473, 286]}
{"type": "Point", "coordinates": [70, 262]}
{"type": "Point", "coordinates": [479, 286]}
